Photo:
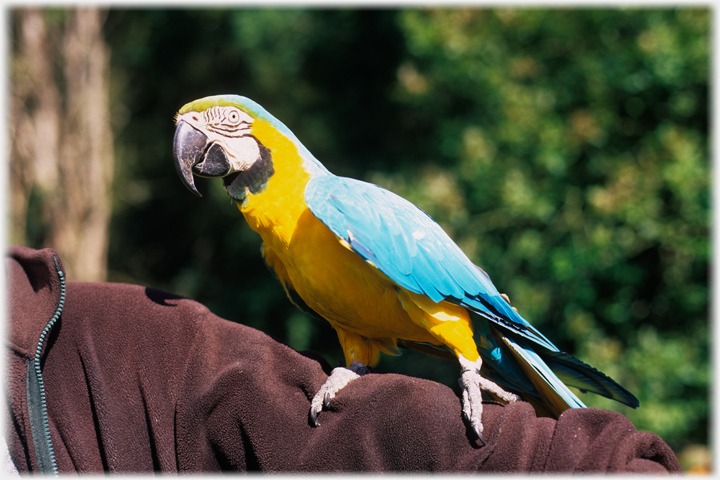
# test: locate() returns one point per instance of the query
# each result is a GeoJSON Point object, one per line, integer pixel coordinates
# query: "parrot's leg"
{"type": "Point", "coordinates": [451, 325]}
{"type": "Point", "coordinates": [339, 377]}
{"type": "Point", "coordinates": [473, 384]}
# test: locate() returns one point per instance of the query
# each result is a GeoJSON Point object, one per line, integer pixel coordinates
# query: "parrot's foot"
{"type": "Point", "coordinates": [473, 384]}
{"type": "Point", "coordinates": [339, 377]}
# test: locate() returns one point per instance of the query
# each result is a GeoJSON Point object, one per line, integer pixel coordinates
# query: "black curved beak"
{"type": "Point", "coordinates": [194, 154]}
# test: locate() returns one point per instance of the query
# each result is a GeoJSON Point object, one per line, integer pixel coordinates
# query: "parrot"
{"type": "Point", "coordinates": [381, 271]}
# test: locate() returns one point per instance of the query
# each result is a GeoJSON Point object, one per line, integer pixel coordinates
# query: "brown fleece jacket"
{"type": "Point", "coordinates": [138, 380]}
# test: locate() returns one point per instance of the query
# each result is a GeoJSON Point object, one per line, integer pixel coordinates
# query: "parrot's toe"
{"type": "Point", "coordinates": [472, 403]}
{"type": "Point", "coordinates": [473, 384]}
{"type": "Point", "coordinates": [337, 380]}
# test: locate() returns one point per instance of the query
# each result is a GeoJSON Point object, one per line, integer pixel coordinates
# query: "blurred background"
{"type": "Point", "coordinates": [565, 150]}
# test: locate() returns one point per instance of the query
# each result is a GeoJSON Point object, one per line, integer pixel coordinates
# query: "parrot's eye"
{"type": "Point", "coordinates": [227, 120]}
{"type": "Point", "coordinates": [234, 116]}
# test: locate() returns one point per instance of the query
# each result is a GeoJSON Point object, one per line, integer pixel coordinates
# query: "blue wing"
{"type": "Point", "coordinates": [412, 250]}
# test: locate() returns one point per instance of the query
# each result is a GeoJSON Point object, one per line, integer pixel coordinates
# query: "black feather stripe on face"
{"type": "Point", "coordinates": [254, 179]}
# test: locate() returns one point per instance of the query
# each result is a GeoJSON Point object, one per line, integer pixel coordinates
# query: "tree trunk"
{"type": "Point", "coordinates": [61, 138]}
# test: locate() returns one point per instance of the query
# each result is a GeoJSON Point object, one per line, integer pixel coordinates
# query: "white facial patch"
{"type": "Point", "coordinates": [230, 128]}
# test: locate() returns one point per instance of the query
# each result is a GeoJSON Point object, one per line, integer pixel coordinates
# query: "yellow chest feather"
{"type": "Point", "coordinates": [334, 281]}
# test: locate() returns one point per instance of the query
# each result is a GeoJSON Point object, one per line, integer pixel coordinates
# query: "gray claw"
{"type": "Point", "coordinates": [473, 384]}
{"type": "Point", "coordinates": [339, 377]}
{"type": "Point", "coordinates": [313, 417]}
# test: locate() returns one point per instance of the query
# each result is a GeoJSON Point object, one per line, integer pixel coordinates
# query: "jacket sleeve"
{"type": "Point", "coordinates": [139, 380]}
{"type": "Point", "coordinates": [254, 415]}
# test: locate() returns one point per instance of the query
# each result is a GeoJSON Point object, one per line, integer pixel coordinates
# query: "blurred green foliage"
{"type": "Point", "coordinates": [566, 151]}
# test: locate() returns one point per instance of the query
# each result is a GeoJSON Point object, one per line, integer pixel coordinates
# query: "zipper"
{"type": "Point", "coordinates": [37, 406]}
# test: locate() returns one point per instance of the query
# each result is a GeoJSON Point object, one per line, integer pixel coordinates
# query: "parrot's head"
{"type": "Point", "coordinates": [230, 136]}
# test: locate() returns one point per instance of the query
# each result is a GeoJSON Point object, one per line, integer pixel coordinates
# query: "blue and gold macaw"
{"type": "Point", "coordinates": [375, 266]}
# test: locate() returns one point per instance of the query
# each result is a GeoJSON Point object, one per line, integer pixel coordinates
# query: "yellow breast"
{"type": "Point", "coordinates": [334, 281]}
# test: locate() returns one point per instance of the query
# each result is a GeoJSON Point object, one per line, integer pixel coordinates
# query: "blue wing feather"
{"type": "Point", "coordinates": [409, 247]}
{"type": "Point", "coordinates": [412, 250]}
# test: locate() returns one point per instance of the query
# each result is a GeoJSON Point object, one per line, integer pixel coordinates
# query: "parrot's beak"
{"type": "Point", "coordinates": [194, 154]}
